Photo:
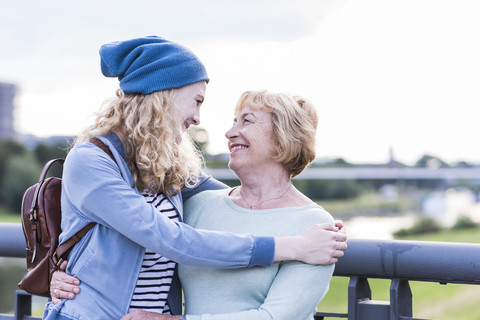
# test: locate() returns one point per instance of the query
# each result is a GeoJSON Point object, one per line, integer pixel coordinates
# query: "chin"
{"type": "Point", "coordinates": [231, 166]}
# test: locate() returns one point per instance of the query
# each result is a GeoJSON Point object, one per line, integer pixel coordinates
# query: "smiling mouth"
{"type": "Point", "coordinates": [238, 148]}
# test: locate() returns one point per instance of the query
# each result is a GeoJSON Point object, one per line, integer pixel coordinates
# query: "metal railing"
{"type": "Point", "coordinates": [399, 261]}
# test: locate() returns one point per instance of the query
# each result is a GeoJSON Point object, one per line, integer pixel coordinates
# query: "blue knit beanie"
{"type": "Point", "coordinates": [149, 64]}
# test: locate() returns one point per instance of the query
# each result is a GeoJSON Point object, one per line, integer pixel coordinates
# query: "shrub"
{"type": "Point", "coordinates": [422, 226]}
{"type": "Point", "coordinates": [464, 222]}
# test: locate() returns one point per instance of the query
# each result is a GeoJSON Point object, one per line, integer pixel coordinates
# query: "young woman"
{"type": "Point", "coordinates": [137, 201]}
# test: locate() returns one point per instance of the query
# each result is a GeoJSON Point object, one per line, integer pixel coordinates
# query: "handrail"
{"type": "Point", "coordinates": [12, 240]}
{"type": "Point", "coordinates": [386, 259]}
{"type": "Point", "coordinates": [400, 261]}
{"type": "Point", "coordinates": [443, 262]}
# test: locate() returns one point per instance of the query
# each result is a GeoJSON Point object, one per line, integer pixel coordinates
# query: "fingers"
{"type": "Point", "coordinates": [326, 226]}
{"type": "Point", "coordinates": [53, 295]}
{"type": "Point", "coordinates": [333, 260]}
{"type": "Point", "coordinates": [60, 277]}
{"type": "Point", "coordinates": [340, 236]}
{"type": "Point", "coordinates": [64, 292]}
{"type": "Point", "coordinates": [340, 244]}
{"type": "Point", "coordinates": [58, 294]}
{"type": "Point", "coordinates": [337, 250]}
{"type": "Point", "coordinates": [338, 253]}
{"type": "Point", "coordinates": [63, 286]}
{"type": "Point", "coordinates": [63, 266]}
{"type": "Point", "coordinates": [339, 224]}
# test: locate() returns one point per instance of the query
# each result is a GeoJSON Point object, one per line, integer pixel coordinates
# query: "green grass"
{"type": "Point", "coordinates": [368, 202]}
{"type": "Point", "coordinates": [430, 300]}
{"type": "Point", "coordinates": [461, 235]}
{"type": "Point", "coordinates": [9, 217]}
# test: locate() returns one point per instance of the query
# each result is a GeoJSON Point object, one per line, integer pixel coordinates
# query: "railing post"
{"type": "Point", "coordinates": [23, 304]}
{"type": "Point", "coordinates": [360, 304]}
{"type": "Point", "coordinates": [400, 299]}
{"type": "Point", "coordinates": [358, 290]}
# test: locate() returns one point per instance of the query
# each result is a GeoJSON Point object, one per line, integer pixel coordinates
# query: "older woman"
{"type": "Point", "coordinates": [271, 141]}
{"type": "Point", "coordinates": [136, 200]}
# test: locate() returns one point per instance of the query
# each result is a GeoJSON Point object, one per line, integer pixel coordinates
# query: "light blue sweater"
{"type": "Point", "coordinates": [287, 290]}
{"type": "Point", "coordinates": [108, 258]}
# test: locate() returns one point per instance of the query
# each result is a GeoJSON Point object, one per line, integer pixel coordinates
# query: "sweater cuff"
{"type": "Point", "coordinates": [263, 251]}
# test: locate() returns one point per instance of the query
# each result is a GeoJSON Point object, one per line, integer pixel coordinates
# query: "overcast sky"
{"type": "Point", "coordinates": [383, 74]}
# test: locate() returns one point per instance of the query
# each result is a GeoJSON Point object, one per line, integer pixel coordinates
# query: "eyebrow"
{"type": "Point", "coordinates": [243, 115]}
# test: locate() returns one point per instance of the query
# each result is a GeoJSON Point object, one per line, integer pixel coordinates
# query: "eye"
{"type": "Point", "coordinates": [246, 121]}
{"type": "Point", "coordinates": [199, 101]}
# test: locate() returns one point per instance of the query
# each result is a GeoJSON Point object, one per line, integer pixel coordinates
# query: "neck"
{"type": "Point", "coordinates": [264, 191]}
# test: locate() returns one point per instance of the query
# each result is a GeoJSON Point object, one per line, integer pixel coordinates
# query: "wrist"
{"type": "Point", "coordinates": [286, 248]}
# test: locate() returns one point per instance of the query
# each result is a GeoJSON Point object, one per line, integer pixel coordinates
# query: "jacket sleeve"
{"type": "Point", "coordinates": [295, 293]}
{"type": "Point", "coordinates": [96, 191]}
{"type": "Point", "coordinates": [206, 183]}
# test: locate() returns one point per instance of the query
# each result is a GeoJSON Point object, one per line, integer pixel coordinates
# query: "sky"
{"type": "Point", "coordinates": [400, 76]}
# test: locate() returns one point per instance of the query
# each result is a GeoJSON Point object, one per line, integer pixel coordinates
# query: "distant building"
{"type": "Point", "coordinates": [392, 162]}
{"type": "Point", "coordinates": [7, 128]}
{"type": "Point", "coordinates": [7, 97]}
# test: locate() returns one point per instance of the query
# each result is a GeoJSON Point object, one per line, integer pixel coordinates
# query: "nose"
{"type": "Point", "coordinates": [196, 118]}
{"type": "Point", "coordinates": [231, 133]}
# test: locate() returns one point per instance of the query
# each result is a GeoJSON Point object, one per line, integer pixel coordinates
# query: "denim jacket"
{"type": "Point", "coordinates": [107, 260]}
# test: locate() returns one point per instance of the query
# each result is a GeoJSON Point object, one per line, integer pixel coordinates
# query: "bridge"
{"type": "Point", "coordinates": [395, 260]}
{"type": "Point", "coordinates": [373, 173]}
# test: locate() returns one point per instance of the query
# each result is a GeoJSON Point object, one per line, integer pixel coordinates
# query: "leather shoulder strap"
{"type": "Point", "coordinates": [64, 249]}
{"type": "Point", "coordinates": [99, 143]}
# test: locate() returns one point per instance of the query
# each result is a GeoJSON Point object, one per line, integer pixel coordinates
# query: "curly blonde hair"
{"type": "Point", "coordinates": [294, 126]}
{"type": "Point", "coordinates": [156, 158]}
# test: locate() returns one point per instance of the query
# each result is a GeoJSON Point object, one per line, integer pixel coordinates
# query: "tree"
{"type": "Point", "coordinates": [43, 153]}
{"type": "Point", "coordinates": [22, 171]}
{"type": "Point", "coordinates": [432, 162]}
{"type": "Point", "coordinates": [329, 189]}
{"type": "Point", "coordinates": [8, 149]}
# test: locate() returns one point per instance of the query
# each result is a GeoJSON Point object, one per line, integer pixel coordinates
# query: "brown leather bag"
{"type": "Point", "coordinates": [41, 219]}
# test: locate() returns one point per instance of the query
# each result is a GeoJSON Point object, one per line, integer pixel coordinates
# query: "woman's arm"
{"type": "Point", "coordinates": [96, 191]}
{"type": "Point", "coordinates": [64, 286]}
{"type": "Point", "coordinates": [295, 293]}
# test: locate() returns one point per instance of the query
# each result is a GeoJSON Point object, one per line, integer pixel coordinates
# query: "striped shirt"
{"type": "Point", "coordinates": [155, 277]}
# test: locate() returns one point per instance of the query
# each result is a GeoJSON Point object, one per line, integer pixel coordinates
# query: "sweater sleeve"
{"type": "Point", "coordinates": [96, 191]}
{"type": "Point", "coordinates": [295, 293]}
{"type": "Point", "coordinates": [206, 183]}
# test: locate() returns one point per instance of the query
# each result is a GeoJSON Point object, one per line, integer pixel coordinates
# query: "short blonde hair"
{"type": "Point", "coordinates": [294, 126]}
{"type": "Point", "coordinates": [158, 161]}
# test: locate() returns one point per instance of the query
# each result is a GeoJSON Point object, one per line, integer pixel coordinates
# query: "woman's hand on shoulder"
{"type": "Point", "coordinates": [319, 244]}
{"type": "Point", "coordinates": [63, 285]}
